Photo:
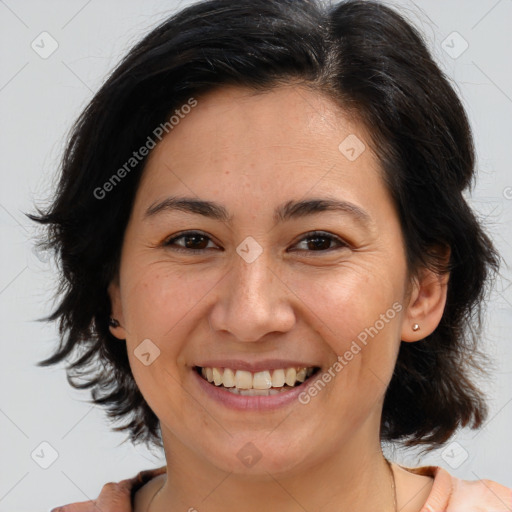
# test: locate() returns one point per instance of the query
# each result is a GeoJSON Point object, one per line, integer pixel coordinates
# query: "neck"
{"type": "Point", "coordinates": [353, 478]}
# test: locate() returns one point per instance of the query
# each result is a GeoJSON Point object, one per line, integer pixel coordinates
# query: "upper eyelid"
{"type": "Point", "coordinates": [320, 233]}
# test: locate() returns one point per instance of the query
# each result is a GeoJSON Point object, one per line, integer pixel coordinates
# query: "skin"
{"type": "Point", "coordinates": [251, 152]}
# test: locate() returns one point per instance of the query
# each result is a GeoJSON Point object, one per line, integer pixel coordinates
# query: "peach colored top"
{"type": "Point", "coordinates": [448, 494]}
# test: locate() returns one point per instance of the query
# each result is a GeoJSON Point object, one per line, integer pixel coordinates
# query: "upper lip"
{"type": "Point", "coordinates": [255, 366]}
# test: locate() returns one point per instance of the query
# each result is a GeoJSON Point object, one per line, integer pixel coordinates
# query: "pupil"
{"type": "Point", "coordinates": [317, 243]}
{"type": "Point", "coordinates": [192, 240]}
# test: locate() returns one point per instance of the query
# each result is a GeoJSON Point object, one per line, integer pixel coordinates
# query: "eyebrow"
{"type": "Point", "coordinates": [287, 211]}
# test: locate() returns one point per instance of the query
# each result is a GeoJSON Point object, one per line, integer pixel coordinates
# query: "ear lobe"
{"type": "Point", "coordinates": [426, 305]}
{"type": "Point", "coordinates": [117, 311]}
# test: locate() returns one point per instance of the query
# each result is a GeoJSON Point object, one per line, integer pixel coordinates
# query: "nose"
{"type": "Point", "coordinates": [252, 301]}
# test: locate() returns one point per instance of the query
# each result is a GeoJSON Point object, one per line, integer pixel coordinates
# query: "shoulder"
{"type": "Point", "coordinates": [145, 494]}
{"type": "Point", "coordinates": [451, 494]}
{"type": "Point", "coordinates": [119, 496]}
{"type": "Point", "coordinates": [484, 495]}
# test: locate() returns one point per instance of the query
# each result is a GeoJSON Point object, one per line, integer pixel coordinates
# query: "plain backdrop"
{"type": "Point", "coordinates": [39, 100]}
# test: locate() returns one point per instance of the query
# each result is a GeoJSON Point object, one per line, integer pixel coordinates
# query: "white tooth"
{"type": "Point", "coordinates": [301, 375]}
{"type": "Point", "coordinates": [209, 374]}
{"type": "Point", "coordinates": [243, 379]}
{"type": "Point", "coordinates": [203, 372]}
{"type": "Point", "coordinates": [262, 380]}
{"type": "Point", "coordinates": [228, 379]}
{"type": "Point", "coordinates": [278, 378]}
{"type": "Point", "coordinates": [291, 374]}
{"type": "Point", "coordinates": [235, 391]}
{"type": "Point", "coordinates": [217, 377]}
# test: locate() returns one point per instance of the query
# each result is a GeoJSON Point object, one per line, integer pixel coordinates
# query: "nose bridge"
{"type": "Point", "coordinates": [251, 281]}
{"type": "Point", "coordinates": [253, 300]}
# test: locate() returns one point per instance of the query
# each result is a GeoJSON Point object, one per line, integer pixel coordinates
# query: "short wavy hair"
{"type": "Point", "coordinates": [377, 67]}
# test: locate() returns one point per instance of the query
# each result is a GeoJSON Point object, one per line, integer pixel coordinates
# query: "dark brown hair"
{"type": "Point", "coordinates": [375, 65]}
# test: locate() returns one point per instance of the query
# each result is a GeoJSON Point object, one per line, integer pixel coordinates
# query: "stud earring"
{"type": "Point", "coordinates": [415, 327]}
{"type": "Point", "coordinates": [113, 322]}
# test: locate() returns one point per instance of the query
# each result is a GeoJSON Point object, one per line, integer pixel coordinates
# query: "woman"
{"type": "Point", "coordinates": [268, 264]}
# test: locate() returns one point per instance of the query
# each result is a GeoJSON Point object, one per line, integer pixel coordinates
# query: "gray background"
{"type": "Point", "coordinates": [40, 98]}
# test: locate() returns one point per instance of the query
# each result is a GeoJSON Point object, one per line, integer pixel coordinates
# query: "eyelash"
{"type": "Point", "coordinates": [313, 234]}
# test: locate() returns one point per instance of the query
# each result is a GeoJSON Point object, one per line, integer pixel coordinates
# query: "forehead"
{"type": "Point", "coordinates": [285, 117]}
{"type": "Point", "coordinates": [280, 142]}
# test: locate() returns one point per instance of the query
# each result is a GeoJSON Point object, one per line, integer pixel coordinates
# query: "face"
{"type": "Point", "coordinates": [259, 246]}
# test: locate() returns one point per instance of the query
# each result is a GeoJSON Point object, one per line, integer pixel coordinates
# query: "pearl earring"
{"type": "Point", "coordinates": [415, 327]}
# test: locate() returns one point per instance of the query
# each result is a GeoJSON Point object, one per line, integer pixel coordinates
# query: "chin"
{"type": "Point", "coordinates": [250, 455]}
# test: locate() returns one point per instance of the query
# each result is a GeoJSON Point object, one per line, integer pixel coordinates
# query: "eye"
{"type": "Point", "coordinates": [320, 241]}
{"type": "Point", "coordinates": [190, 241]}
{"type": "Point", "coordinates": [195, 241]}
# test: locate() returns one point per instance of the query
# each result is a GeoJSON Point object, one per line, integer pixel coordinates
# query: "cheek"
{"type": "Point", "coordinates": [348, 301]}
{"type": "Point", "coordinates": [156, 301]}
{"type": "Point", "coordinates": [356, 311]}
{"type": "Point", "coordinates": [360, 322]}
{"type": "Point", "coordinates": [160, 297]}
{"type": "Point", "coordinates": [159, 303]}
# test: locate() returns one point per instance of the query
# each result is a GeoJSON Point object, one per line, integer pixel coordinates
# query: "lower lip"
{"type": "Point", "coordinates": [255, 403]}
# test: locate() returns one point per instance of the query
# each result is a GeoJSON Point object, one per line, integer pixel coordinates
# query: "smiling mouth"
{"type": "Point", "coordinates": [264, 383]}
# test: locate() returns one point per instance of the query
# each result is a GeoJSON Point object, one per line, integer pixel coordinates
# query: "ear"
{"type": "Point", "coordinates": [114, 293]}
{"type": "Point", "coordinates": [426, 302]}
